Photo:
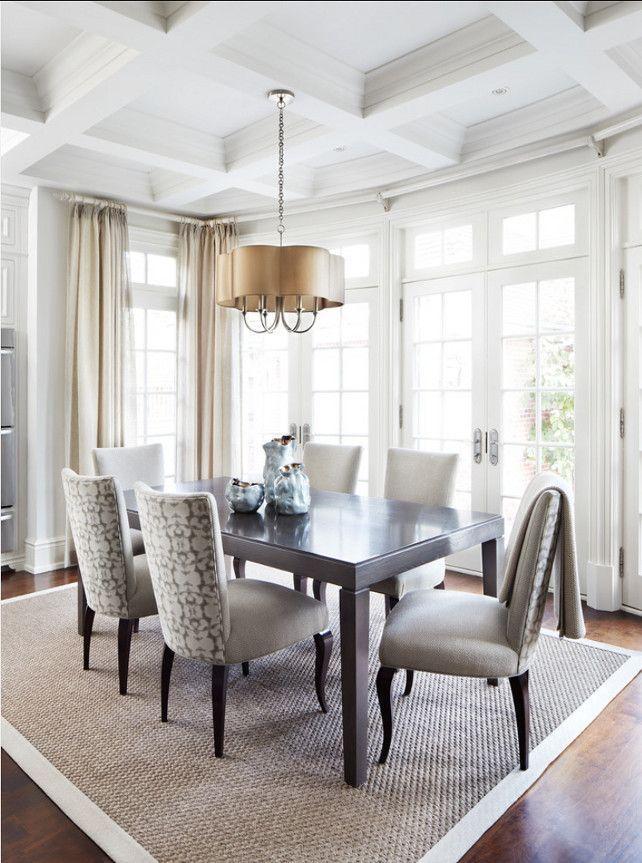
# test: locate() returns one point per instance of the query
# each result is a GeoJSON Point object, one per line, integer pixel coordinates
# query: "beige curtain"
{"type": "Point", "coordinates": [100, 399]}
{"type": "Point", "coordinates": [208, 368]}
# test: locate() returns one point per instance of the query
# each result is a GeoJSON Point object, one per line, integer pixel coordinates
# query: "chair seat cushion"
{"type": "Point", "coordinates": [422, 577]}
{"type": "Point", "coordinates": [267, 617]}
{"type": "Point", "coordinates": [143, 602]}
{"type": "Point", "coordinates": [448, 632]}
{"type": "Point", "coordinates": [138, 546]}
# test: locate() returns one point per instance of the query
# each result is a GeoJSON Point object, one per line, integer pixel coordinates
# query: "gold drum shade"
{"type": "Point", "coordinates": [273, 278]}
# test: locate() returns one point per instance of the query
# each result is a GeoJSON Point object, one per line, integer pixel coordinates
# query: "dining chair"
{"type": "Point", "coordinates": [470, 635]}
{"type": "Point", "coordinates": [418, 477]}
{"type": "Point", "coordinates": [207, 618]}
{"type": "Point", "coordinates": [330, 467]}
{"type": "Point", "coordinates": [132, 464]}
{"type": "Point", "coordinates": [116, 582]}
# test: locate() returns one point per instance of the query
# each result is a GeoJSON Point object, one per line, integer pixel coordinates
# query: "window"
{"type": "Point", "coordinates": [445, 247]}
{"type": "Point", "coordinates": [543, 229]}
{"type": "Point", "coordinates": [155, 297]}
{"type": "Point", "coordinates": [357, 260]}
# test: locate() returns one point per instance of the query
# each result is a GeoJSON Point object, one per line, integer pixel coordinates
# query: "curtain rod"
{"type": "Point", "coordinates": [142, 211]}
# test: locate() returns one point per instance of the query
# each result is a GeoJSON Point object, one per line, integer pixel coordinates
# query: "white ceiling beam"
{"type": "Point", "coordinates": [614, 25]}
{"type": "Point", "coordinates": [549, 29]}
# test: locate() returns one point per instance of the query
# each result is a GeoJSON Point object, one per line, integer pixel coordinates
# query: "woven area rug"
{"type": "Point", "coordinates": [146, 791]}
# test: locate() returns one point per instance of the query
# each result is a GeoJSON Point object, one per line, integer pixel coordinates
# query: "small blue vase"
{"type": "Point", "coordinates": [244, 496]}
{"type": "Point", "coordinates": [292, 490]}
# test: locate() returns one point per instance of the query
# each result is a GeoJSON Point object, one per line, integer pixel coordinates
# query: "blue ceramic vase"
{"type": "Point", "coordinates": [278, 451]}
{"type": "Point", "coordinates": [292, 490]}
{"type": "Point", "coordinates": [244, 496]}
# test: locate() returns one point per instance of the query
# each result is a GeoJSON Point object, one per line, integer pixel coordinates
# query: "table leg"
{"type": "Point", "coordinates": [491, 554]}
{"type": "Point", "coordinates": [300, 583]}
{"type": "Point", "coordinates": [82, 606]}
{"type": "Point", "coordinates": [354, 608]}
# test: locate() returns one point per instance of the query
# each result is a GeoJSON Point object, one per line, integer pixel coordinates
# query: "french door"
{"type": "Point", "coordinates": [494, 370]}
{"type": "Point", "coordinates": [321, 386]}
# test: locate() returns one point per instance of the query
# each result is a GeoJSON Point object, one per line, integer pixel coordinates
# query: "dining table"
{"type": "Point", "coordinates": [352, 542]}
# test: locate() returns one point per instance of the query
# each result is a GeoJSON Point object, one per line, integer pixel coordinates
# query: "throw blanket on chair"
{"type": "Point", "coordinates": [566, 586]}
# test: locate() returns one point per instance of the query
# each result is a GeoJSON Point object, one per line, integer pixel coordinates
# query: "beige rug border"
{"type": "Point", "coordinates": [123, 848]}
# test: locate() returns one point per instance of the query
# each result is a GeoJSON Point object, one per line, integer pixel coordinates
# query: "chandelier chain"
{"type": "Point", "coordinates": [281, 227]}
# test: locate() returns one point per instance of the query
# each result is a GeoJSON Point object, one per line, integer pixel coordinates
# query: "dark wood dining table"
{"type": "Point", "coordinates": [352, 542]}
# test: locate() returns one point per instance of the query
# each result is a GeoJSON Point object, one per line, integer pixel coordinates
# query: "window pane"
{"type": "Point", "coordinates": [457, 415]}
{"type": "Point", "coordinates": [518, 233]}
{"type": "Point", "coordinates": [161, 330]}
{"type": "Point", "coordinates": [458, 244]}
{"type": "Point", "coordinates": [559, 460]}
{"type": "Point", "coordinates": [518, 309]}
{"type": "Point", "coordinates": [518, 363]}
{"type": "Point", "coordinates": [457, 365]}
{"type": "Point", "coordinates": [357, 260]}
{"type": "Point", "coordinates": [427, 415]}
{"type": "Point", "coordinates": [428, 445]}
{"type": "Point", "coordinates": [457, 315]}
{"type": "Point", "coordinates": [558, 417]}
{"type": "Point", "coordinates": [326, 369]}
{"type": "Point", "coordinates": [169, 452]}
{"type": "Point", "coordinates": [519, 467]}
{"type": "Point", "coordinates": [355, 324]}
{"type": "Point", "coordinates": [161, 271]}
{"type": "Point", "coordinates": [557, 304]}
{"type": "Point", "coordinates": [161, 371]}
{"type": "Point", "coordinates": [161, 414]}
{"type": "Point", "coordinates": [354, 413]}
{"type": "Point", "coordinates": [363, 443]}
{"type": "Point", "coordinates": [518, 416]}
{"type": "Point", "coordinates": [139, 329]}
{"type": "Point", "coordinates": [510, 506]}
{"type": "Point", "coordinates": [141, 413]}
{"type": "Point", "coordinates": [355, 369]}
{"type": "Point", "coordinates": [557, 361]}
{"type": "Point", "coordinates": [327, 328]}
{"type": "Point", "coordinates": [326, 419]}
{"type": "Point", "coordinates": [427, 318]}
{"type": "Point", "coordinates": [464, 473]}
{"type": "Point", "coordinates": [428, 366]}
{"type": "Point", "coordinates": [137, 267]}
{"type": "Point", "coordinates": [557, 227]}
{"type": "Point", "coordinates": [428, 250]}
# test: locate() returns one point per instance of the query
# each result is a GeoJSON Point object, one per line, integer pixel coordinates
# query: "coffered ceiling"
{"type": "Point", "coordinates": [163, 103]}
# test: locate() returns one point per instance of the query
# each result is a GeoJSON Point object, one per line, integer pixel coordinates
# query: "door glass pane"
{"type": "Point", "coordinates": [457, 311]}
{"type": "Point", "coordinates": [326, 369]}
{"type": "Point", "coordinates": [427, 317]}
{"type": "Point", "coordinates": [355, 368]}
{"type": "Point", "coordinates": [557, 305]}
{"type": "Point", "coordinates": [519, 363]}
{"type": "Point", "coordinates": [519, 309]}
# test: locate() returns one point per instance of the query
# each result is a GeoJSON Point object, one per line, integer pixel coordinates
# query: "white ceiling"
{"type": "Point", "coordinates": [163, 103]}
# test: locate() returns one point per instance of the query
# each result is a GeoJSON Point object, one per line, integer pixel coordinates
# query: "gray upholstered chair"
{"type": "Point", "coordinates": [418, 477]}
{"type": "Point", "coordinates": [115, 582]}
{"type": "Point", "coordinates": [476, 636]}
{"type": "Point", "coordinates": [132, 464]}
{"type": "Point", "coordinates": [208, 618]}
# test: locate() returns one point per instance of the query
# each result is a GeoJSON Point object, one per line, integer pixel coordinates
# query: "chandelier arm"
{"type": "Point", "coordinates": [307, 329]}
{"type": "Point", "coordinates": [295, 328]}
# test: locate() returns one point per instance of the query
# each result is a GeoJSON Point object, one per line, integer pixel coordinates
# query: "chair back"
{"type": "Point", "coordinates": [331, 467]}
{"type": "Point", "coordinates": [421, 477]}
{"type": "Point", "coordinates": [185, 557]}
{"type": "Point", "coordinates": [98, 520]}
{"type": "Point", "coordinates": [131, 464]}
{"type": "Point", "coordinates": [532, 577]}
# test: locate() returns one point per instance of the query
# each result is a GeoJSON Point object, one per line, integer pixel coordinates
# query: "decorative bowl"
{"type": "Point", "coordinates": [244, 496]}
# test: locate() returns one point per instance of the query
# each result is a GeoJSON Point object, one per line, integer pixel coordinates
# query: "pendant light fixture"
{"type": "Point", "coordinates": [280, 284]}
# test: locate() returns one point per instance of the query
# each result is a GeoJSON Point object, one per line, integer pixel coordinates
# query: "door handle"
{"type": "Point", "coordinates": [306, 434]}
{"type": "Point", "coordinates": [493, 446]}
{"type": "Point", "coordinates": [477, 446]}
{"type": "Point", "coordinates": [294, 431]}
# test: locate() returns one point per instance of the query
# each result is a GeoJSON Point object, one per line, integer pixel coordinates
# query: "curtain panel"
{"type": "Point", "coordinates": [100, 371]}
{"type": "Point", "coordinates": [208, 357]}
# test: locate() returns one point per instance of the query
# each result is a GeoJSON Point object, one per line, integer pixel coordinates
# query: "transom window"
{"type": "Point", "coordinates": [540, 229]}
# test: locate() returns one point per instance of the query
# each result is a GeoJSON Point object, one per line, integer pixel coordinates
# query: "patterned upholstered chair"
{"type": "Point", "coordinates": [476, 636]}
{"type": "Point", "coordinates": [115, 582]}
{"type": "Point", "coordinates": [418, 477]}
{"type": "Point", "coordinates": [208, 618]}
{"type": "Point", "coordinates": [132, 464]}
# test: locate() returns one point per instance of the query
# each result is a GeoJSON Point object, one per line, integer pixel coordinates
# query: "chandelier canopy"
{"type": "Point", "coordinates": [287, 284]}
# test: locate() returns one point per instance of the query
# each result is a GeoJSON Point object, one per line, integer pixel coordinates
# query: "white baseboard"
{"type": "Point", "coordinates": [14, 559]}
{"type": "Point", "coordinates": [42, 555]}
{"type": "Point", "coordinates": [603, 592]}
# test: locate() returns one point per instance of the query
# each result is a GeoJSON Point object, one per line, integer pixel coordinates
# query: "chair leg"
{"type": "Point", "coordinates": [124, 643]}
{"type": "Point", "coordinates": [384, 685]}
{"type": "Point", "coordinates": [323, 645]}
{"type": "Point", "coordinates": [166, 673]}
{"type": "Point", "coordinates": [219, 696]}
{"type": "Point", "coordinates": [88, 623]}
{"type": "Point", "coordinates": [245, 666]}
{"type": "Point", "coordinates": [239, 567]}
{"type": "Point", "coordinates": [136, 626]}
{"type": "Point", "coordinates": [300, 583]}
{"type": "Point", "coordinates": [410, 674]}
{"type": "Point", "coordinates": [319, 589]}
{"type": "Point", "coordinates": [519, 691]}
{"type": "Point", "coordinates": [390, 602]}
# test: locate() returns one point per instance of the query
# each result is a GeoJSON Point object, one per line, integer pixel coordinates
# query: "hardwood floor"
{"type": "Point", "coordinates": [586, 807]}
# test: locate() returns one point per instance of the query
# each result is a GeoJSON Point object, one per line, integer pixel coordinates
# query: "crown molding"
{"type": "Point", "coordinates": [21, 106]}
